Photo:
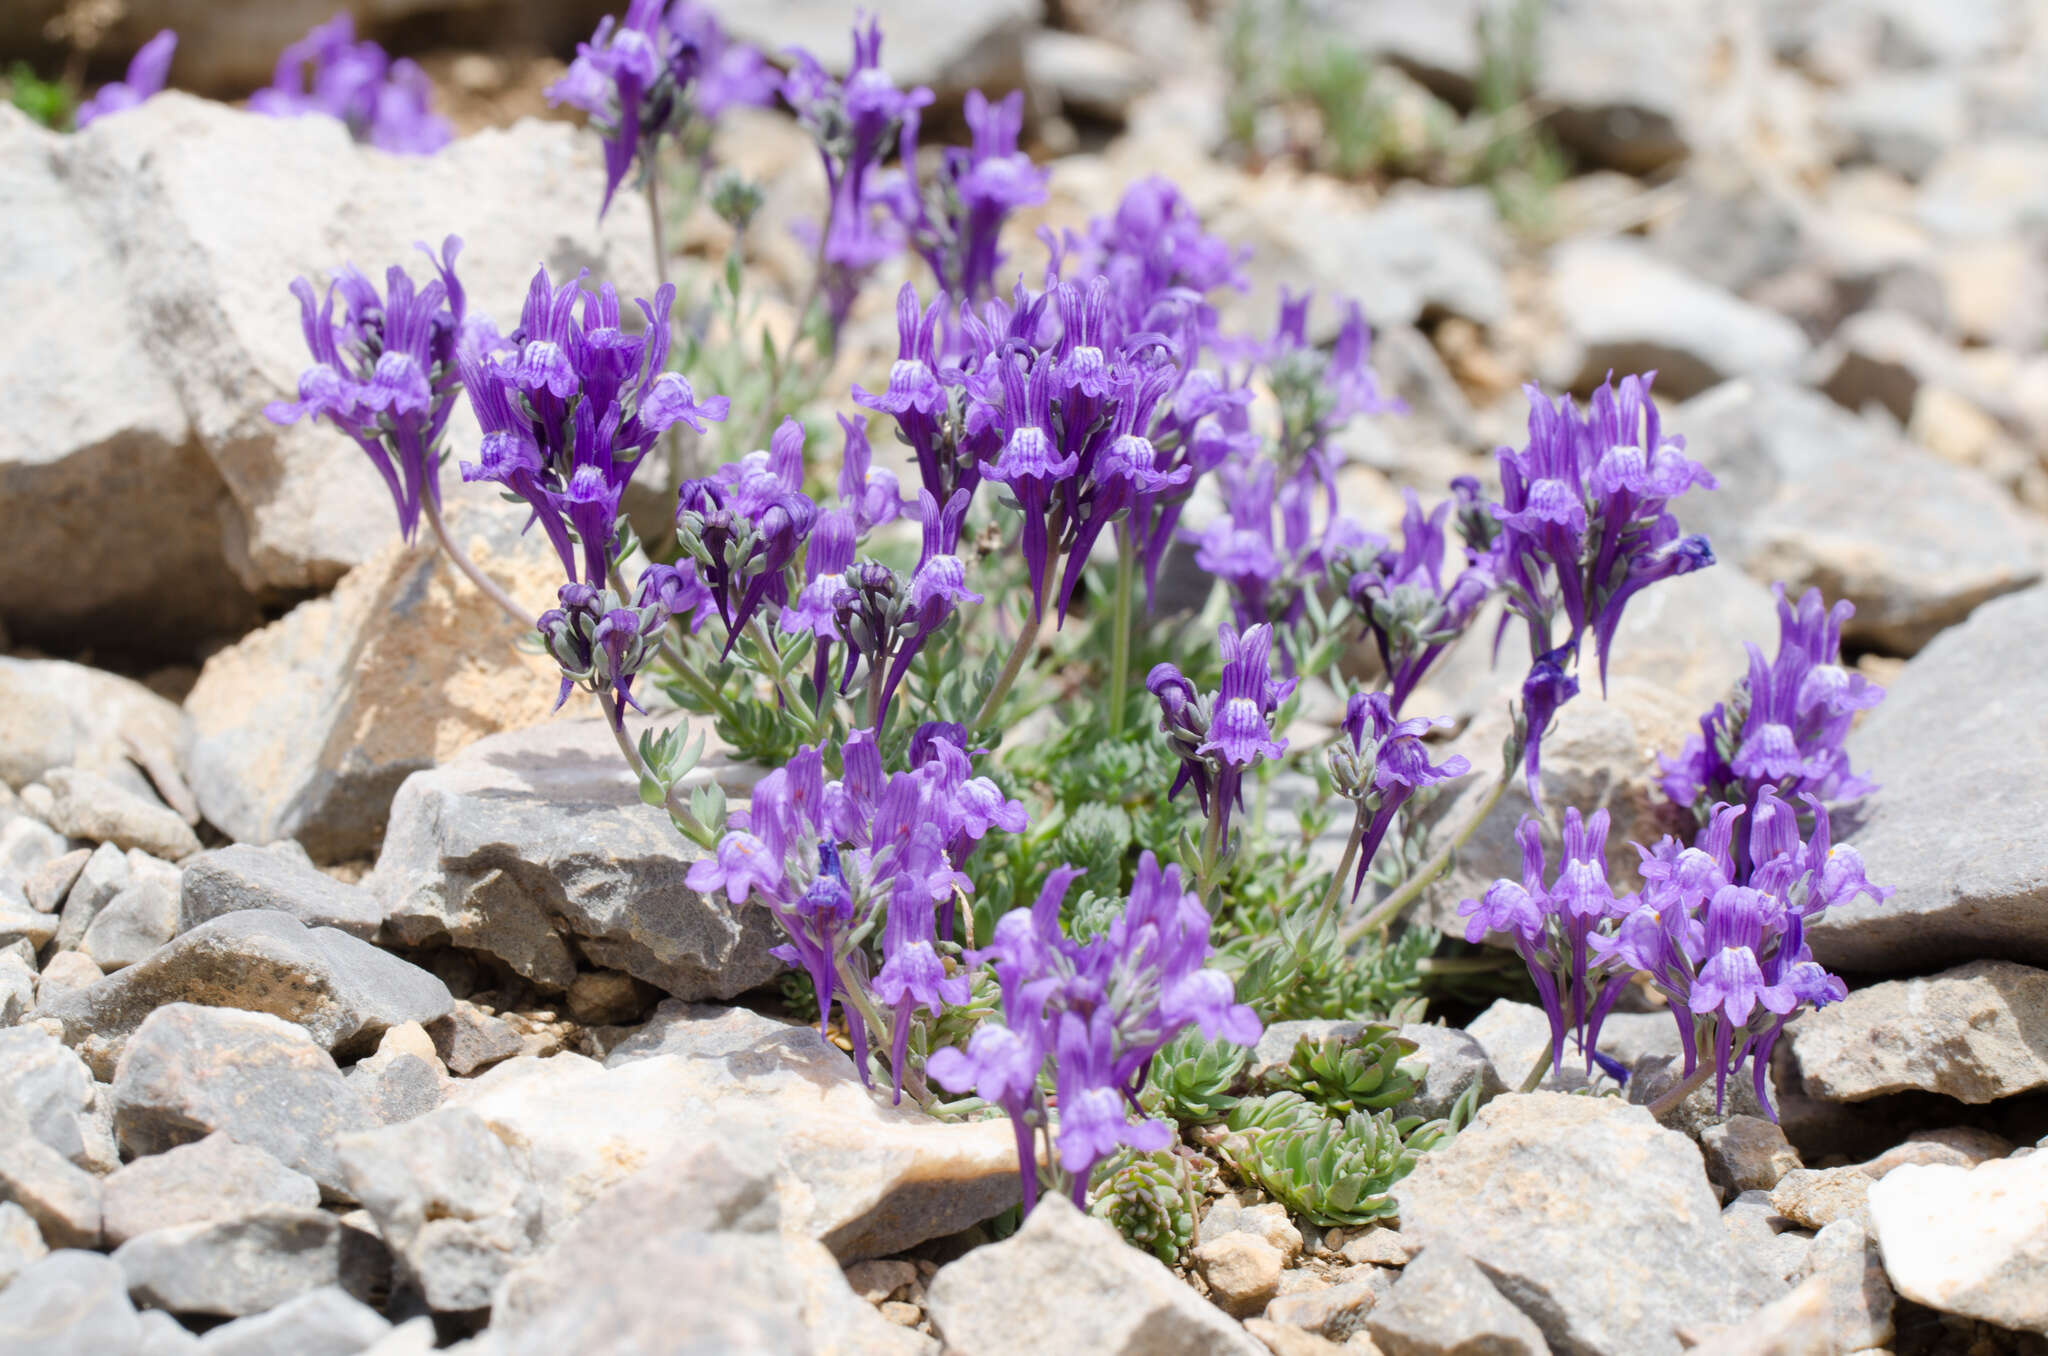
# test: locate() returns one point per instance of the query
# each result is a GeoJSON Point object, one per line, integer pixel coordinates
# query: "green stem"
{"type": "Point", "coordinates": [488, 586]}
{"type": "Point", "coordinates": [1535, 1076]}
{"type": "Point", "coordinates": [850, 991]}
{"type": "Point", "coordinates": [1212, 849]}
{"type": "Point", "coordinates": [654, 212]}
{"type": "Point", "coordinates": [1425, 875]}
{"type": "Point", "coordinates": [673, 801]}
{"type": "Point", "coordinates": [695, 681]}
{"type": "Point", "coordinates": [1351, 846]}
{"type": "Point", "coordinates": [1120, 635]}
{"type": "Point", "coordinates": [1019, 652]}
{"type": "Point", "coordinates": [1668, 1103]}
{"type": "Point", "coordinates": [789, 695]}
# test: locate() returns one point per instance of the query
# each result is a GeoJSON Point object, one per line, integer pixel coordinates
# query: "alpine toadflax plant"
{"type": "Point", "coordinates": [386, 103]}
{"type": "Point", "coordinates": [148, 70]}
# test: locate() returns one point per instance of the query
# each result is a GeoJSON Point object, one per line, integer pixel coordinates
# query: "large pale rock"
{"type": "Point", "coordinates": [306, 728]}
{"type": "Point", "coordinates": [534, 846]}
{"type": "Point", "coordinates": [1531, 1189]}
{"type": "Point", "coordinates": [56, 1094]}
{"type": "Point", "coordinates": [191, 1071]}
{"type": "Point", "coordinates": [231, 879]}
{"type": "Point", "coordinates": [55, 714]}
{"type": "Point", "coordinates": [1812, 495]}
{"type": "Point", "coordinates": [1112, 1298]}
{"type": "Point", "coordinates": [21, 1242]}
{"type": "Point", "coordinates": [236, 205]}
{"type": "Point", "coordinates": [234, 1267]}
{"type": "Point", "coordinates": [91, 807]}
{"type": "Point", "coordinates": [343, 991]}
{"type": "Point", "coordinates": [865, 1178]}
{"type": "Point", "coordinates": [215, 1178]}
{"type": "Point", "coordinates": [96, 453]}
{"type": "Point", "coordinates": [1845, 1256]}
{"type": "Point", "coordinates": [1969, 1241]}
{"type": "Point", "coordinates": [1955, 823]}
{"type": "Point", "coordinates": [1443, 1303]}
{"type": "Point", "coordinates": [72, 1303]}
{"type": "Point", "coordinates": [1975, 1033]}
{"type": "Point", "coordinates": [451, 1200]}
{"type": "Point", "coordinates": [323, 1322]}
{"type": "Point", "coordinates": [1626, 310]}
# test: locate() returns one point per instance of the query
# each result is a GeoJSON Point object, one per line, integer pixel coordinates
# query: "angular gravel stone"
{"type": "Point", "coordinates": [17, 985]}
{"type": "Point", "coordinates": [67, 973]}
{"type": "Point", "coordinates": [469, 1041]}
{"type": "Point", "coordinates": [104, 875]}
{"type": "Point", "coordinates": [452, 1201]}
{"type": "Point", "coordinates": [343, 991]}
{"type": "Point", "coordinates": [1443, 1303]}
{"type": "Point", "coordinates": [1816, 1197]}
{"type": "Point", "coordinates": [46, 887]}
{"type": "Point", "coordinates": [55, 1092]}
{"type": "Point", "coordinates": [1530, 1189]}
{"type": "Point", "coordinates": [534, 845]}
{"type": "Point", "coordinates": [210, 1180]}
{"type": "Point", "coordinates": [1452, 1061]}
{"type": "Point", "coordinates": [18, 920]}
{"type": "Point", "coordinates": [143, 917]}
{"type": "Point", "coordinates": [1845, 1256]}
{"type": "Point", "coordinates": [71, 1303]}
{"type": "Point", "coordinates": [163, 1335]}
{"type": "Point", "coordinates": [403, 1089]}
{"type": "Point", "coordinates": [26, 846]}
{"type": "Point", "coordinates": [21, 1242]}
{"type": "Point", "coordinates": [1113, 1298]}
{"type": "Point", "coordinates": [92, 807]}
{"type": "Point", "coordinates": [1976, 1033]}
{"type": "Point", "coordinates": [1969, 1241]}
{"type": "Point", "coordinates": [63, 1200]}
{"type": "Point", "coordinates": [245, 877]}
{"type": "Point", "coordinates": [323, 1322]}
{"type": "Point", "coordinates": [1243, 1272]}
{"type": "Point", "coordinates": [234, 1267]}
{"type": "Point", "coordinates": [1815, 496]}
{"type": "Point", "coordinates": [1955, 823]}
{"type": "Point", "coordinates": [190, 1071]}
{"type": "Point", "coordinates": [1747, 1153]}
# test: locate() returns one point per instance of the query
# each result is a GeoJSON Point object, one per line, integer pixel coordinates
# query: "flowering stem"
{"type": "Point", "coordinates": [672, 801]}
{"type": "Point", "coordinates": [692, 679]}
{"type": "Point", "coordinates": [1668, 1103]}
{"type": "Point", "coordinates": [851, 992]}
{"type": "Point", "coordinates": [1535, 1077]}
{"type": "Point", "coordinates": [487, 585]}
{"type": "Point", "coordinates": [1212, 846]}
{"type": "Point", "coordinates": [1389, 908]}
{"type": "Point", "coordinates": [1351, 846]}
{"type": "Point", "coordinates": [654, 215]}
{"type": "Point", "coordinates": [1120, 635]}
{"type": "Point", "coordinates": [781, 680]}
{"type": "Point", "coordinates": [1026, 639]}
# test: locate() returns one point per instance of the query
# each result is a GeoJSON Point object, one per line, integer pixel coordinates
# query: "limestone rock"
{"type": "Point", "coordinates": [189, 1071]}
{"type": "Point", "coordinates": [343, 991]}
{"type": "Point", "coordinates": [46, 886]}
{"type": "Point", "coordinates": [1814, 496]}
{"type": "Point", "coordinates": [94, 808]}
{"type": "Point", "coordinates": [1333, 1313]}
{"type": "Point", "coordinates": [533, 846]}
{"type": "Point", "coordinates": [244, 877]}
{"type": "Point", "coordinates": [306, 728]}
{"type": "Point", "coordinates": [104, 875]}
{"type": "Point", "coordinates": [17, 983]}
{"type": "Point", "coordinates": [1953, 825]}
{"type": "Point", "coordinates": [1845, 1256]}
{"type": "Point", "coordinates": [867, 1179]}
{"type": "Point", "coordinates": [1975, 1033]}
{"type": "Point", "coordinates": [234, 1267]}
{"type": "Point", "coordinates": [212, 1179]}
{"type": "Point", "coordinates": [451, 1200]}
{"type": "Point", "coordinates": [1529, 1189]}
{"type": "Point", "coordinates": [62, 1199]}
{"type": "Point", "coordinates": [1243, 1272]}
{"type": "Point", "coordinates": [71, 1303]}
{"type": "Point", "coordinates": [21, 1243]}
{"type": "Point", "coordinates": [1816, 1197]}
{"type": "Point", "coordinates": [138, 920]}
{"type": "Point", "coordinates": [1443, 1303]}
{"type": "Point", "coordinates": [67, 973]}
{"type": "Point", "coordinates": [57, 1096]}
{"type": "Point", "coordinates": [97, 449]}
{"type": "Point", "coordinates": [953, 48]}
{"type": "Point", "coordinates": [1969, 1241]}
{"type": "Point", "coordinates": [55, 714]}
{"type": "Point", "coordinates": [323, 1322]}
{"type": "Point", "coordinates": [1112, 1298]}
{"type": "Point", "coordinates": [1747, 1153]}
{"type": "Point", "coordinates": [469, 1041]}
{"type": "Point", "coordinates": [1452, 1061]}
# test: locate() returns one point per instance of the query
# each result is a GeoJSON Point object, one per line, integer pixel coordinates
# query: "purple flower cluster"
{"type": "Point", "coordinates": [855, 123]}
{"type": "Point", "coordinates": [1585, 526]}
{"type": "Point", "coordinates": [600, 643]}
{"type": "Point", "coordinates": [385, 103]}
{"type": "Point", "coordinates": [386, 373]}
{"type": "Point", "coordinates": [828, 858]}
{"type": "Point", "coordinates": [1784, 727]}
{"type": "Point", "coordinates": [747, 522]}
{"type": "Point", "coordinates": [1410, 612]}
{"type": "Point", "coordinates": [569, 409]}
{"type": "Point", "coordinates": [1270, 574]}
{"type": "Point", "coordinates": [1385, 765]}
{"type": "Point", "coordinates": [1099, 1010]}
{"type": "Point", "coordinates": [148, 69]}
{"type": "Point", "coordinates": [1160, 263]}
{"type": "Point", "coordinates": [1726, 945]}
{"type": "Point", "coordinates": [1220, 737]}
{"type": "Point", "coordinates": [956, 219]}
{"type": "Point", "coordinates": [644, 78]}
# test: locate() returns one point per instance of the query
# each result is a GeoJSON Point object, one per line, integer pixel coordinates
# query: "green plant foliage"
{"type": "Point", "coordinates": [1096, 838]}
{"type": "Point", "coordinates": [1150, 1199]}
{"type": "Point", "coordinates": [1299, 969]}
{"type": "Point", "coordinates": [1195, 1081]}
{"type": "Point", "coordinates": [1329, 1169]}
{"type": "Point", "coordinates": [49, 102]}
{"type": "Point", "coordinates": [1354, 1073]}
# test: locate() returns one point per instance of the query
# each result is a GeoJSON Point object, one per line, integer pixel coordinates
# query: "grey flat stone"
{"type": "Point", "coordinates": [103, 876]}
{"type": "Point", "coordinates": [55, 1092]}
{"type": "Point", "coordinates": [63, 1200]}
{"type": "Point", "coordinates": [1976, 1033]}
{"type": "Point", "coordinates": [71, 1303]}
{"type": "Point", "coordinates": [245, 877]}
{"type": "Point", "coordinates": [190, 1071]}
{"type": "Point", "coordinates": [1443, 1303]}
{"type": "Point", "coordinates": [211, 1179]}
{"type": "Point", "coordinates": [232, 1268]}
{"type": "Point", "coordinates": [138, 920]}
{"type": "Point", "coordinates": [95, 808]}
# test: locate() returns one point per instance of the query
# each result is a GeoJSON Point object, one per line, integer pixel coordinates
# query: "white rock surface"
{"type": "Point", "coordinates": [1969, 1241]}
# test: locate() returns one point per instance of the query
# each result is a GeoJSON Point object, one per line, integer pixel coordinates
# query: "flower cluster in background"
{"type": "Point", "coordinates": [148, 69]}
{"type": "Point", "coordinates": [384, 102]}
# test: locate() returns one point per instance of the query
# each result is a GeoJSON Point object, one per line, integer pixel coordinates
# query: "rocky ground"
{"type": "Point", "coordinates": [349, 1002]}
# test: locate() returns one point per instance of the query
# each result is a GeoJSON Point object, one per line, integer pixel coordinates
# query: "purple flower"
{"type": "Point", "coordinates": [1547, 688]}
{"type": "Point", "coordinates": [1409, 611]}
{"type": "Point", "coordinates": [1030, 463]}
{"type": "Point", "coordinates": [148, 69]}
{"type": "Point", "coordinates": [385, 103]}
{"type": "Point", "coordinates": [1221, 737]}
{"type": "Point", "coordinates": [1388, 763]}
{"type": "Point", "coordinates": [386, 373]}
{"type": "Point", "coordinates": [957, 218]}
{"type": "Point", "coordinates": [570, 405]}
